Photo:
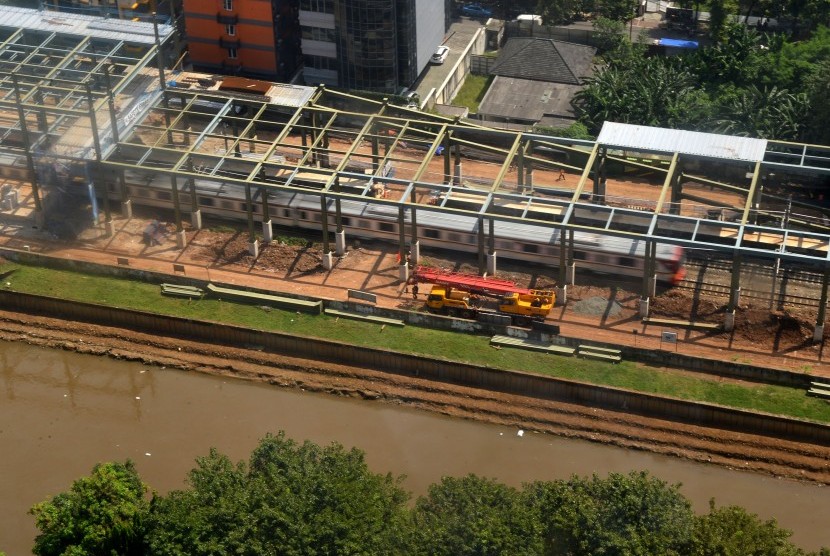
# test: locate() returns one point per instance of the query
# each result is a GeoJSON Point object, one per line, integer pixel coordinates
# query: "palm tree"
{"type": "Point", "coordinates": [769, 113]}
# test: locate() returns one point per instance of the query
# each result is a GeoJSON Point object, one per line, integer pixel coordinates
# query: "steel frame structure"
{"type": "Point", "coordinates": [103, 105]}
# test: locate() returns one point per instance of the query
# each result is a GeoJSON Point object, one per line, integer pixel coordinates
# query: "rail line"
{"type": "Point", "coordinates": [788, 288]}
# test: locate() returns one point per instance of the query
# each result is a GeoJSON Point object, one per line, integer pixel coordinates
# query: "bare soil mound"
{"type": "Point", "coordinates": [232, 249]}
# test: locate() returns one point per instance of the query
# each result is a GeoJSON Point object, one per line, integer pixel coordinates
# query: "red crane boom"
{"type": "Point", "coordinates": [472, 283]}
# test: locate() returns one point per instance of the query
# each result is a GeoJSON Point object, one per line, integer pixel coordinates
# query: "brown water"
{"type": "Point", "coordinates": [60, 413]}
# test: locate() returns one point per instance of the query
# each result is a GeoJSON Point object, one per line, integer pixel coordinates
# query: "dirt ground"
{"type": "Point", "coordinates": [594, 311]}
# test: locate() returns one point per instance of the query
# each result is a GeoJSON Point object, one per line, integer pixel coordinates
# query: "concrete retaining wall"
{"type": "Point", "coordinates": [428, 368]}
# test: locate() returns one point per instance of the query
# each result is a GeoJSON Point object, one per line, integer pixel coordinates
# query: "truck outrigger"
{"type": "Point", "coordinates": [463, 295]}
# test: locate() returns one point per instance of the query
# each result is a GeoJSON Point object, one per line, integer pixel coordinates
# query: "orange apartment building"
{"type": "Point", "coordinates": [256, 38]}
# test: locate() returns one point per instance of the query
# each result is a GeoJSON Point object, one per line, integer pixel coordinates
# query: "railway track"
{"type": "Point", "coordinates": [786, 287]}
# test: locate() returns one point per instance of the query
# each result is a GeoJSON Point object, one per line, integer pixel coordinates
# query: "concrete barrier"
{"type": "Point", "coordinates": [426, 367]}
{"type": "Point", "coordinates": [365, 296]}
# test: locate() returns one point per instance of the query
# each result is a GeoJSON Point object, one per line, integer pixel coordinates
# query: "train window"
{"type": "Point", "coordinates": [286, 213]}
{"type": "Point", "coordinates": [254, 209]}
{"type": "Point", "coordinates": [601, 258]}
{"type": "Point", "coordinates": [363, 224]}
{"type": "Point", "coordinates": [228, 205]}
{"type": "Point", "coordinates": [454, 237]}
{"type": "Point", "coordinates": [432, 234]}
{"type": "Point", "coordinates": [580, 255]}
{"type": "Point", "coordinates": [303, 215]}
{"type": "Point", "coordinates": [317, 218]}
{"type": "Point", "coordinates": [346, 221]}
{"type": "Point", "coordinates": [530, 248]}
{"type": "Point", "coordinates": [163, 195]}
{"type": "Point", "coordinates": [626, 261]}
{"type": "Point", "coordinates": [506, 245]}
{"type": "Point", "coordinates": [206, 201]}
{"type": "Point", "coordinates": [386, 227]}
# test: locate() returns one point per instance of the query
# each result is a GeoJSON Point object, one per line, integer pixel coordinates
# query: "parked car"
{"type": "Point", "coordinates": [476, 10]}
{"type": "Point", "coordinates": [440, 55]}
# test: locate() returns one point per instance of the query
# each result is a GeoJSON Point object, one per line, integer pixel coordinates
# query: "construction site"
{"type": "Point", "coordinates": [105, 149]}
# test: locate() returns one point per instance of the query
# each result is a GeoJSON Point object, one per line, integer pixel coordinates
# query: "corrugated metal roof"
{"type": "Point", "coordinates": [84, 25]}
{"type": "Point", "coordinates": [713, 145]}
{"type": "Point", "coordinates": [290, 95]}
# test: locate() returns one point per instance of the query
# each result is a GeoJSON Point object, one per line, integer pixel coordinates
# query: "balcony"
{"type": "Point", "coordinates": [227, 18]}
{"type": "Point", "coordinates": [229, 41]}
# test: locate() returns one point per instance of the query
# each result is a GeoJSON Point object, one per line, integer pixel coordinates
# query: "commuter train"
{"type": "Point", "coordinates": [368, 220]}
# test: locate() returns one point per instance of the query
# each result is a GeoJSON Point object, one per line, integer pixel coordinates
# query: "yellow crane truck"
{"type": "Point", "coordinates": [464, 295]}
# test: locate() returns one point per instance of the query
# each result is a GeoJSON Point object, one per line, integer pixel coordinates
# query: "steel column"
{"type": "Point", "coordinates": [27, 143]}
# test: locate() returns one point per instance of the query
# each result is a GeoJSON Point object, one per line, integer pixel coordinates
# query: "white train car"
{"type": "Point", "coordinates": [367, 220]}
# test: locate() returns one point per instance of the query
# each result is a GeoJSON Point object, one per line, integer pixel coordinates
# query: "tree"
{"type": "Point", "coordinates": [610, 38]}
{"type": "Point", "coordinates": [732, 531]}
{"type": "Point", "coordinates": [289, 499]}
{"type": "Point", "coordinates": [102, 514]}
{"type": "Point", "coordinates": [645, 91]}
{"type": "Point", "coordinates": [818, 91]}
{"type": "Point", "coordinates": [618, 10]}
{"type": "Point", "coordinates": [555, 12]}
{"type": "Point", "coordinates": [472, 516]}
{"type": "Point", "coordinates": [765, 113]}
{"type": "Point", "coordinates": [791, 64]}
{"type": "Point", "coordinates": [737, 59]}
{"type": "Point", "coordinates": [719, 12]}
{"type": "Point", "coordinates": [633, 514]}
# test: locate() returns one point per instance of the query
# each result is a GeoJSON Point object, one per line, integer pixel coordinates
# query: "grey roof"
{"type": "Point", "coordinates": [525, 100]}
{"type": "Point", "coordinates": [540, 59]}
{"type": "Point", "coordinates": [83, 25]}
{"type": "Point", "coordinates": [711, 145]}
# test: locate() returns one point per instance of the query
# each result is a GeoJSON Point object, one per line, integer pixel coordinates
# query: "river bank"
{"type": "Point", "coordinates": [729, 449]}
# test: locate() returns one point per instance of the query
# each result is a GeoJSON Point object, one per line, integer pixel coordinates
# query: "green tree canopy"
{"type": "Point", "coordinates": [737, 59]}
{"type": "Point", "coordinates": [732, 531]}
{"type": "Point", "coordinates": [472, 516]}
{"type": "Point", "coordinates": [555, 12]}
{"type": "Point", "coordinates": [645, 91]}
{"type": "Point", "coordinates": [633, 514]}
{"type": "Point", "coordinates": [618, 10]}
{"type": "Point", "coordinates": [290, 499]}
{"type": "Point", "coordinates": [791, 64]}
{"type": "Point", "coordinates": [818, 93]}
{"type": "Point", "coordinates": [102, 514]}
{"type": "Point", "coordinates": [766, 113]}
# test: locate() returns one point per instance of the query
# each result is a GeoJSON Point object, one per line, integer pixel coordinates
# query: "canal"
{"type": "Point", "coordinates": [60, 413]}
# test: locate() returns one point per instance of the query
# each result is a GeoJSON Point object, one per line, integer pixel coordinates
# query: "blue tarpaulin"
{"type": "Point", "coordinates": [677, 43]}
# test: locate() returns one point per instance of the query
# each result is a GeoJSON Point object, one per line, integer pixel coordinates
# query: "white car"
{"type": "Point", "coordinates": [440, 55]}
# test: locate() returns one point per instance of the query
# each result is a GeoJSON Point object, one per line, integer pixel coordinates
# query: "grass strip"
{"type": "Point", "coordinates": [129, 294]}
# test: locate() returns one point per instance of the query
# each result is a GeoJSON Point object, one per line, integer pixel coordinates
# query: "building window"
{"type": "Point", "coordinates": [321, 6]}
{"type": "Point", "coordinates": [230, 30]}
{"type": "Point", "coordinates": [232, 53]}
{"type": "Point", "coordinates": [228, 5]}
